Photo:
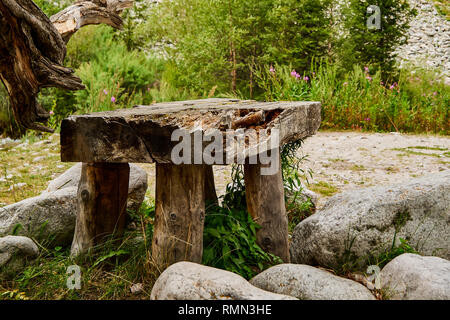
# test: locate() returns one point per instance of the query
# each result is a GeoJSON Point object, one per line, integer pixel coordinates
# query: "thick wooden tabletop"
{"type": "Point", "coordinates": [143, 134]}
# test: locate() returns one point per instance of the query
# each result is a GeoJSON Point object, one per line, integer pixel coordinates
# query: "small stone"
{"type": "Point", "coordinates": [137, 288]}
{"type": "Point", "coordinates": [37, 159]}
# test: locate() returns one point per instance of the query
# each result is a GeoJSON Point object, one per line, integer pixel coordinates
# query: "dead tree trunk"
{"type": "Point", "coordinates": [33, 48]}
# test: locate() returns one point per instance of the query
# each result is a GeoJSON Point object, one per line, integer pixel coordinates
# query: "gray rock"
{"type": "Point", "coordinates": [136, 188]}
{"type": "Point", "coordinates": [191, 281]}
{"type": "Point", "coordinates": [15, 252]}
{"type": "Point", "coordinates": [413, 277]}
{"type": "Point", "coordinates": [362, 222]}
{"type": "Point", "coordinates": [309, 283]}
{"type": "Point", "coordinates": [50, 216]}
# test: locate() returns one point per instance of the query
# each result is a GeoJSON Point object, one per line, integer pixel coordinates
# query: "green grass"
{"type": "Point", "coordinates": [429, 148]}
{"type": "Point", "coordinates": [408, 151]}
{"type": "Point", "coordinates": [21, 177]}
{"type": "Point", "coordinates": [107, 273]}
{"type": "Point", "coordinates": [324, 188]}
{"type": "Point", "coordinates": [358, 167]}
{"type": "Point", "coordinates": [443, 7]}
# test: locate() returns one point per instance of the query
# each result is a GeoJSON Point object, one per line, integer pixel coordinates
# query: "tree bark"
{"type": "Point", "coordinates": [265, 203]}
{"type": "Point", "coordinates": [102, 202]}
{"type": "Point", "coordinates": [180, 214]}
{"type": "Point", "coordinates": [32, 51]}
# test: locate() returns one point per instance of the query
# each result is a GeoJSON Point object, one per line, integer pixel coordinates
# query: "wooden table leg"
{"type": "Point", "coordinates": [210, 186]}
{"type": "Point", "coordinates": [102, 202]}
{"type": "Point", "coordinates": [180, 214]}
{"type": "Point", "coordinates": [265, 203]}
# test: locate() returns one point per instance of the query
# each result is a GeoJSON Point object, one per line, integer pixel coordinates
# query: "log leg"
{"type": "Point", "coordinates": [180, 214]}
{"type": "Point", "coordinates": [210, 186]}
{"type": "Point", "coordinates": [265, 203]}
{"type": "Point", "coordinates": [102, 202]}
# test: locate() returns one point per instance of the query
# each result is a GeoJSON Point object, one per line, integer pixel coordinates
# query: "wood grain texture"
{"type": "Point", "coordinates": [180, 214]}
{"type": "Point", "coordinates": [102, 201]}
{"type": "Point", "coordinates": [143, 134]}
{"type": "Point", "coordinates": [265, 203]}
{"type": "Point", "coordinates": [210, 186]}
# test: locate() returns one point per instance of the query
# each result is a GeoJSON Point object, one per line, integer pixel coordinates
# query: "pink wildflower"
{"type": "Point", "coordinates": [113, 99]}
{"type": "Point", "coordinates": [306, 78]}
{"type": "Point", "coordinates": [51, 112]}
{"type": "Point", "coordinates": [105, 92]}
{"type": "Point", "coordinates": [272, 69]}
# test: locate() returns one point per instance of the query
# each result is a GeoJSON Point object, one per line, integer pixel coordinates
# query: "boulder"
{"type": "Point", "coordinates": [413, 277]}
{"type": "Point", "coordinates": [50, 216]}
{"type": "Point", "coordinates": [309, 283]}
{"type": "Point", "coordinates": [136, 188]}
{"type": "Point", "coordinates": [15, 252]}
{"type": "Point", "coordinates": [359, 223]}
{"type": "Point", "coordinates": [191, 281]}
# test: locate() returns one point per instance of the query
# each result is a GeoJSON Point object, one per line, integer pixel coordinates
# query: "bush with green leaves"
{"type": "Point", "coordinates": [114, 76]}
{"type": "Point", "coordinates": [215, 42]}
{"type": "Point", "coordinates": [360, 100]}
{"type": "Point", "coordinates": [375, 48]}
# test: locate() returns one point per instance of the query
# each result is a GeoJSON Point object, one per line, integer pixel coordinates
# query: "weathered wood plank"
{"type": "Point", "coordinates": [265, 203]}
{"type": "Point", "coordinates": [143, 134]}
{"type": "Point", "coordinates": [102, 202]}
{"type": "Point", "coordinates": [180, 214]}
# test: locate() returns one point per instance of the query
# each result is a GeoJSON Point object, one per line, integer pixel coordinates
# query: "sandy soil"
{"type": "Point", "coordinates": [352, 160]}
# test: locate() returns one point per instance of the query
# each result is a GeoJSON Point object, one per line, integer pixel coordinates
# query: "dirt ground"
{"type": "Point", "coordinates": [351, 160]}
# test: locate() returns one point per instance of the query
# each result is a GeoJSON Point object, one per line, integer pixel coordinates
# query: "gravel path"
{"type": "Point", "coordinates": [351, 160]}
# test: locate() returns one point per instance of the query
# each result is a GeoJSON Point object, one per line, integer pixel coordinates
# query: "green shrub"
{"type": "Point", "coordinates": [358, 100]}
{"type": "Point", "coordinates": [114, 77]}
{"type": "Point", "coordinates": [374, 47]}
{"type": "Point", "coordinates": [229, 240]}
{"type": "Point", "coordinates": [215, 43]}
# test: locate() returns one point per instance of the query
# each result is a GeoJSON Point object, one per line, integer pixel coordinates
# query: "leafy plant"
{"type": "Point", "coordinates": [394, 251]}
{"type": "Point", "coordinates": [374, 47]}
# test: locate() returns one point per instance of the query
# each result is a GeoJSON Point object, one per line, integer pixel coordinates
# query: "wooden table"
{"type": "Point", "coordinates": [107, 141]}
